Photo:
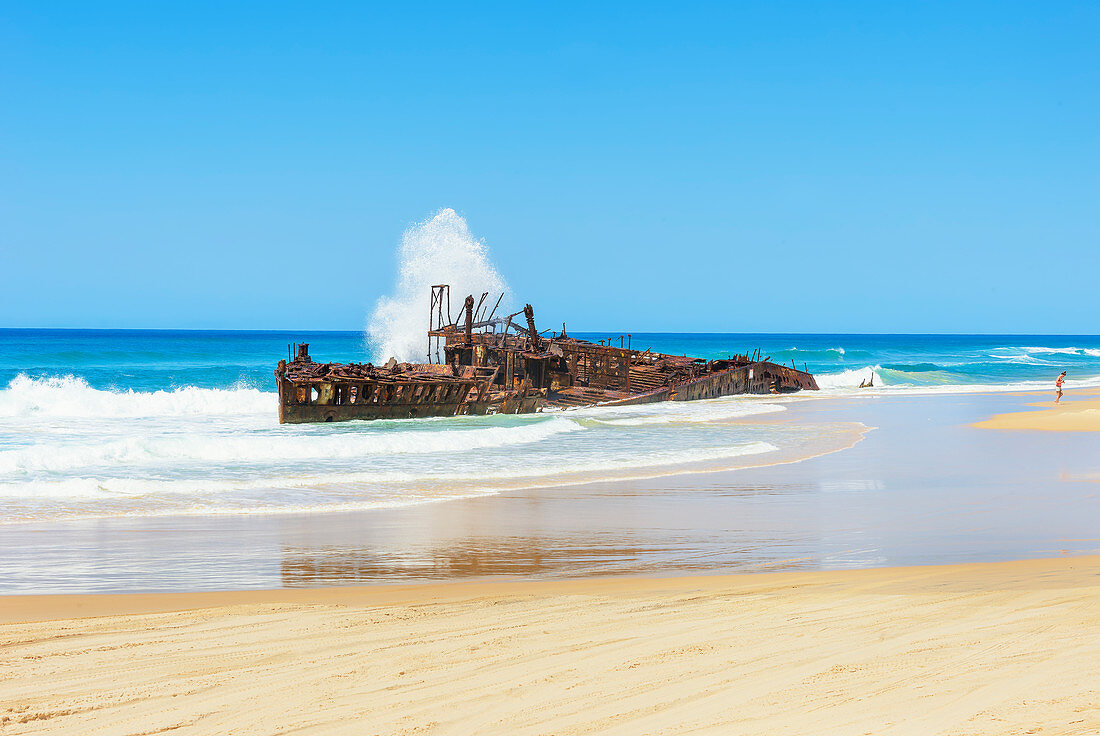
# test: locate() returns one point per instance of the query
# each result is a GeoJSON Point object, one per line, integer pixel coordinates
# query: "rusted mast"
{"type": "Point", "coordinates": [529, 313]}
{"type": "Point", "coordinates": [435, 315]}
{"type": "Point", "coordinates": [470, 319]}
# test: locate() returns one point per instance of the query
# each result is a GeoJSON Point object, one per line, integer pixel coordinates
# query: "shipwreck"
{"type": "Point", "coordinates": [484, 364]}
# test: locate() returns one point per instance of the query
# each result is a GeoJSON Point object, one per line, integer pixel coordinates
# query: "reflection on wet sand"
{"type": "Point", "coordinates": [310, 567]}
{"type": "Point", "coordinates": [698, 524]}
{"type": "Point", "coordinates": [481, 558]}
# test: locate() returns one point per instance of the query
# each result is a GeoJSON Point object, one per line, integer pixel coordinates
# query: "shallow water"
{"type": "Point", "coordinates": [923, 487]}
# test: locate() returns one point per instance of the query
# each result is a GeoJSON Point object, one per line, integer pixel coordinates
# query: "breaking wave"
{"type": "Point", "coordinates": [71, 396]}
{"type": "Point", "coordinates": [440, 250]}
{"type": "Point", "coordinates": [849, 378]}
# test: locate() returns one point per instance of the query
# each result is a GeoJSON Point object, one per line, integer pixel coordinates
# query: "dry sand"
{"type": "Point", "coordinates": [1079, 412]}
{"type": "Point", "coordinates": [989, 648]}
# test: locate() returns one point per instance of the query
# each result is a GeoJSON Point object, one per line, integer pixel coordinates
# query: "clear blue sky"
{"type": "Point", "coordinates": [851, 167]}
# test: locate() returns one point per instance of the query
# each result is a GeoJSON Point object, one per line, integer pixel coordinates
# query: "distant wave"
{"type": "Point", "coordinates": [1020, 358]}
{"type": "Point", "coordinates": [816, 351]}
{"type": "Point", "coordinates": [1092, 352]}
{"type": "Point", "coordinates": [927, 378]}
{"type": "Point", "coordinates": [912, 367]}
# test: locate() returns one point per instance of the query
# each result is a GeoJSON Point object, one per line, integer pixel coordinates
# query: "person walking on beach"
{"type": "Point", "coordinates": [1058, 386]}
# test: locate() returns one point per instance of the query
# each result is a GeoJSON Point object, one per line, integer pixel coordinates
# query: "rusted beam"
{"type": "Point", "coordinates": [477, 309]}
{"type": "Point", "coordinates": [490, 317]}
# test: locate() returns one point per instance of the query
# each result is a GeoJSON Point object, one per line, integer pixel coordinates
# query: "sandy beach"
{"type": "Point", "coordinates": [1077, 412]}
{"type": "Point", "coordinates": [962, 649]}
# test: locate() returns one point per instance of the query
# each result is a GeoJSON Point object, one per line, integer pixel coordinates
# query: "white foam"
{"type": "Point", "coordinates": [69, 396]}
{"type": "Point", "coordinates": [681, 412]}
{"type": "Point", "coordinates": [206, 447]}
{"type": "Point", "coordinates": [440, 250]}
{"type": "Point", "coordinates": [369, 489]}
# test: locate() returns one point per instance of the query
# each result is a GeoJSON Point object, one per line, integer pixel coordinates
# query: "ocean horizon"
{"type": "Point", "coordinates": [168, 358]}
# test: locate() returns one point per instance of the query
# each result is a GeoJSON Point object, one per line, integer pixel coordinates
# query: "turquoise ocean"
{"type": "Point", "coordinates": [134, 423]}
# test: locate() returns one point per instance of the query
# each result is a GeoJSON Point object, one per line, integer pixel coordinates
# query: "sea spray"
{"type": "Point", "coordinates": [439, 250]}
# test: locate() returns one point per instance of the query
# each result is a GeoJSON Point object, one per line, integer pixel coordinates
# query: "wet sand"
{"type": "Point", "coordinates": [965, 649]}
{"type": "Point", "coordinates": [1076, 412]}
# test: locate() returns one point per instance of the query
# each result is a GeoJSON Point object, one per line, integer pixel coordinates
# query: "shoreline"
{"type": "Point", "coordinates": [978, 648]}
{"type": "Point", "coordinates": [24, 608]}
{"type": "Point", "coordinates": [853, 508]}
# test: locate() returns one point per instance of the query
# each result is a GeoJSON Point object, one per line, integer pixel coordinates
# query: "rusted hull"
{"type": "Point", "coordinates": [310, 414]}
{"type": "Point", "coordinates": [518, 404]}
{"type": "Point", "coordinates": [757, 378]}
{"type": "Point", "coordinates": [333, 392]}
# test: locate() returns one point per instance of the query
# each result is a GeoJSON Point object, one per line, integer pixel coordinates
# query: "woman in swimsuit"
{"type": "Point", "coordinates": [1058, 386]}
